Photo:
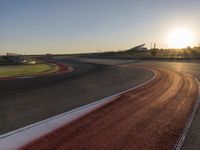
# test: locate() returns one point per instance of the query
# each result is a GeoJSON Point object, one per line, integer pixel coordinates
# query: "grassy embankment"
{"type": "Point", "coordinates": [26, 70]}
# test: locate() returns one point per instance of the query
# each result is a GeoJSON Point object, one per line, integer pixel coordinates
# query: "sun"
{"type": "Point", "coordinates": [180, 38]}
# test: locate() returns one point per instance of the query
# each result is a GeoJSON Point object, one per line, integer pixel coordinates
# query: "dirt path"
{"type": "Point", "coordinates": [147, 118]}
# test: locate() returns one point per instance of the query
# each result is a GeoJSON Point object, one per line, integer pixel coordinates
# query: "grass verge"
{"type": "Point", "coordinates": [26, 70]}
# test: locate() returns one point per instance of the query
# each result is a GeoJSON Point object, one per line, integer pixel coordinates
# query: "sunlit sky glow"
{"type": "Point", "coordinates": [73, 26]}
{"type": "Point", "coordinates": [180, 38]}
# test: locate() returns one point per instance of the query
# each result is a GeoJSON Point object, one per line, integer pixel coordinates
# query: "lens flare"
{"type": "Point", "coordinates": [180, 38]}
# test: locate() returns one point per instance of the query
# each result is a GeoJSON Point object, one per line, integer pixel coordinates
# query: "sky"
{"type": "Point", "coordinates": [79, 26]}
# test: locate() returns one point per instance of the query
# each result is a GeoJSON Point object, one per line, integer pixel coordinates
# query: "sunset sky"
{"type": "Point", "coordinates": [73, 26]}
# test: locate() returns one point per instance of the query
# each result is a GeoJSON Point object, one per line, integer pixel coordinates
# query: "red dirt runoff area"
{"type": "Point", "coordinates": [62, 68]}
{"type": "Point", "coordinates": [151, 117]}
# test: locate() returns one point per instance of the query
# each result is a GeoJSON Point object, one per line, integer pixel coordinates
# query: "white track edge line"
{"type": "Point", "coordinates": [77, 109]}
{"type": "Point", "coordinates": [101, 101]}
{"type": "Point", "coordinates": [183, 135]}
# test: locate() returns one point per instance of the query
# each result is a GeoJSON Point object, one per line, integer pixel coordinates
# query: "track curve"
{"type": "Point", "coordinates": [149, 117]}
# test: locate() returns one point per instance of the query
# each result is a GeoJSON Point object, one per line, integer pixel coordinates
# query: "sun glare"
{"type": "Point", "coordinates": [180, 38]}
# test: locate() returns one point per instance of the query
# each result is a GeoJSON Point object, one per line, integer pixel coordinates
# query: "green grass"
{"type": "Point", "coordinates": [26, 70]}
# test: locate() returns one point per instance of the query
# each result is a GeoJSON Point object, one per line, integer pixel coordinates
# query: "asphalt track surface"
{"type": "Point", "coordinates": [150, 117]}
{"type": "Point", "coordinates": [192, 141]}
{"type": "Point", "coordinates": [26, 101]}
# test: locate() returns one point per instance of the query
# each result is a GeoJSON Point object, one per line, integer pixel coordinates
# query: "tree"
{"type": "Point", "coordinates": [154, 52]}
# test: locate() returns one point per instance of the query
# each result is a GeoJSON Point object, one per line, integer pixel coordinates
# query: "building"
{"type": "Point", "coordinates": [139, 48]}
{"type": "Point", "coordinates": [20, 59]}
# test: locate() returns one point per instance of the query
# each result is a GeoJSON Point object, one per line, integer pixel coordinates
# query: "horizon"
{"type": "Point", "coordinates": [68, 27]}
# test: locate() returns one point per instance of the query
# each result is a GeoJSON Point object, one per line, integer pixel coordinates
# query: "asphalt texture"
{"type": "Point", "coordinates": [192, 141]}
{"type": "Point", "coordinates": [26, 101]}
{"type": "Point", "coordinates": [150, 117]}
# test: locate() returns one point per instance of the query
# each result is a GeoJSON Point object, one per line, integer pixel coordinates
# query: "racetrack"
{"type": "Point", "coordinates": [150, 117]}
{"type": "Point", "coordinates": [26, 101]}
